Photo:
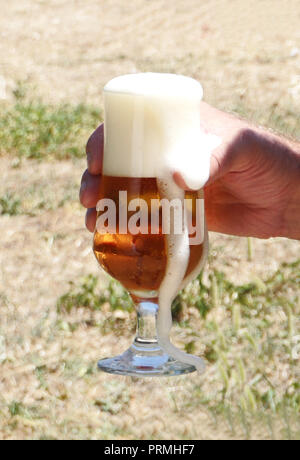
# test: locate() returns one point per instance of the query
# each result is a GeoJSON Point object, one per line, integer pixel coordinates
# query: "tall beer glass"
{"type": "Point", "coordinates": [150, 234]}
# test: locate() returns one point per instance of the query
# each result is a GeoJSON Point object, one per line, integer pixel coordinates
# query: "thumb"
{"type": "Point", "coordinates": [222, 161]}
{"type": "Point", "coordinates": [220, 164]}
{"type": "Point", "coordinates": [231, 155]}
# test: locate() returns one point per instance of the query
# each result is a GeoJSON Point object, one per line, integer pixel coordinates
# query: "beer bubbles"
{"type": "Point", "coordinates": [152, 130]}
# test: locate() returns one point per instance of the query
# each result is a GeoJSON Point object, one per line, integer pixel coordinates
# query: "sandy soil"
{"type": "Point", "coordinates": [69, 49]}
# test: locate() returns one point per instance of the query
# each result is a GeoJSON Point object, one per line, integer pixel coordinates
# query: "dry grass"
{"type": "Point", "coordinates": [246, 55]}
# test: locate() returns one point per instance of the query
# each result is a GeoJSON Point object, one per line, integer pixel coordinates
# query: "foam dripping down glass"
{"type": "Point", "coordinates": [150, 234]}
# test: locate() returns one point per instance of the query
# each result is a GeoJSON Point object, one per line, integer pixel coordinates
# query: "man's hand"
{"type": "Point", "coordinates": [90, 182]}
{"type": "Point", "coordinates": [254, 185]}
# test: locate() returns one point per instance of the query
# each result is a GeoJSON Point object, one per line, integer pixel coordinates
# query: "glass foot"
{"type": "Point", "coordinates": [144, 359]}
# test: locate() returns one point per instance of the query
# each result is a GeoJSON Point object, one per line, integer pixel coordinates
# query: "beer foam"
{"type": "Point", "coordinates": [152, 129]}
{"type": "Point", "coordinates": [152, 126]}
{"type": "Point", "coordinates": [178, 254]}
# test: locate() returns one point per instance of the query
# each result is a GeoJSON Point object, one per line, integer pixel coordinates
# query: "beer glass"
{"type": "Point", "coordinates": [150, 234]}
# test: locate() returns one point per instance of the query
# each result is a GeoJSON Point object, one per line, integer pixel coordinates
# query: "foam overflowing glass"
{"type": "Point", "coordinates": [151, 235]}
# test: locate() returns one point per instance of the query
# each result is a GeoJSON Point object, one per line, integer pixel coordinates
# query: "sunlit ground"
{"type": "Point", "coordinates": [58, 312]}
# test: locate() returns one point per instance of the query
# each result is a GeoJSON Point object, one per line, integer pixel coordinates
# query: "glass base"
{"type": "Point", "coordinates": [144, 359]}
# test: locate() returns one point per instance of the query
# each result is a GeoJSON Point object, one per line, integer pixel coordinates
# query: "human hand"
{"type": "Point", "coordinates": [254, 182]}
{"type": "Point", "coordinates": [91, 179]}
{"type": "Point", "coordinates": [253, 188]}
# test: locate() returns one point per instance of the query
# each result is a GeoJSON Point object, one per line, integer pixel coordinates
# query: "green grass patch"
{"type": "Point", "coordinates": [116, 397]}
{"type": "Point", "coordinates": [35, 130]}
{"type": "Point", "coordinates": [87, 294]}
{"type": "Point", "coordinates": [16, 408]}
{"type": "Point", "coordinates": [250, 334]}
{"type": "Point", "coordinates": [38, 198]}
{"type": "Point", "coordinates": [10, 204]}
{"type": "Point", "coordinates": [253, 344]}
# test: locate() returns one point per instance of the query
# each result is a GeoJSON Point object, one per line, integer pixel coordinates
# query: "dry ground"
{"type": "Point", "coordinates": [69, 49]}
{"type": "Point", "coordinates": [246, 54]}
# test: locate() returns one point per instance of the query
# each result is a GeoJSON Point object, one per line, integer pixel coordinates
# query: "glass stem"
{"type": "Point", "coordinates": [146, 322]}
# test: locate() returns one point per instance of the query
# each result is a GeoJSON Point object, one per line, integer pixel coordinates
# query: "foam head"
{"type": "Point", "coordinates": [152, 128]}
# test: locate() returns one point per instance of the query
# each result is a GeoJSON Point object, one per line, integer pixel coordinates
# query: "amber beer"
{"type": "Point", "coordinates": [152, 128]}
{"type": "Point", "coordinates": [138, 261]}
